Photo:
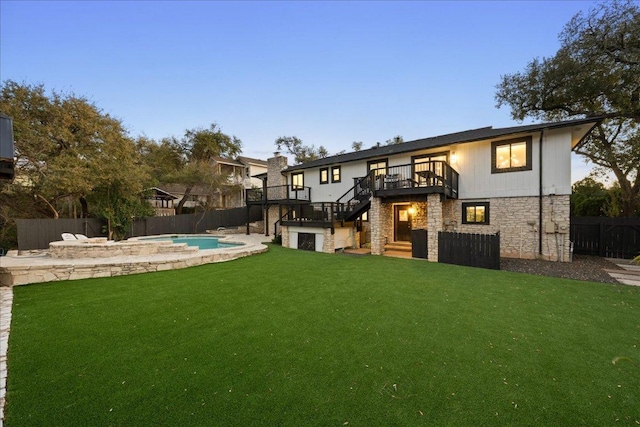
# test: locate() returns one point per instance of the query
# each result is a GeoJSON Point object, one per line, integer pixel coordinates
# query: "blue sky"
{"type": "Point", "coordinates": [329, 73]}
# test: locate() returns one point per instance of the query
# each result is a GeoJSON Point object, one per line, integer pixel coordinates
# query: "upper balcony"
{"type": "Point", "coordinates": [278, 194]}
{"type": "Point", "coordinates": [413, 179]}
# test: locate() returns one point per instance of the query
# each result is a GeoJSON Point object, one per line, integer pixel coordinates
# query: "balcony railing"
{"type": "Point", "coordinates": [310, 214]}
{"type": "Point", "coordinates": [278, 193]}
{"type": "Point", "coordinates": [416, 178]}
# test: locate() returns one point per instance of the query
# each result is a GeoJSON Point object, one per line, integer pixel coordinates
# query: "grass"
{"type": "Point", "coordinates": [297, 338]}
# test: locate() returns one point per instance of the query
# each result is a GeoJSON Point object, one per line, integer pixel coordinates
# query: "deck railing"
{"type": "Point", "coordinates": [434, 176]}
{"type": "Point", "coordinates": [278, 193]}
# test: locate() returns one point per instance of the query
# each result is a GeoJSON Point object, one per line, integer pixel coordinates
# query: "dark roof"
{"type": "Point", "coordinates": [439, 141]}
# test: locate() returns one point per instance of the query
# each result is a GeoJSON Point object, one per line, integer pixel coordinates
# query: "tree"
{"type": "Point", "coordinates": [589, 198]}
{"type": "Point", "coordinates": [596, 72]}
{"type": "Point", "coordinates": [302, 153]}
{"type": "Point", "coordinates": [395, 140]}
{"type": "Point", "coordinates": [198, 148]}
{"type": "Point", "coordinates": [356, 145]}
{"type": "Point", "coordinates": [66, 148]}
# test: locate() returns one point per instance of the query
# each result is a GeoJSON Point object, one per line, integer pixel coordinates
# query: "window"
{"type": "Point", "coordinates": [475, 213]}
{"type": "Point", "coordinates": [511, 155]}
{"type": "Point", "coordinates": [297, 180]}
{"type": "Point", "coordinates": [324, 176]}
{"type": "Point", "coordinates": [335, 174]}
{"type": "Point", "coordinates": [379, 165]}
{"type": "Point", "coordinates": [427, 167]}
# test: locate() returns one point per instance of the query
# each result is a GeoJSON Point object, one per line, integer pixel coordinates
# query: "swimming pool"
{"type": "Point", "coordinates": [202, 242]}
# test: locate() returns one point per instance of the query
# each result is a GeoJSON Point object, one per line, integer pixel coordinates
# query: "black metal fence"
{"type": "Point", "coordinates": [606, 237]}
{"type": "Point", "coordinates": [473, 250]}
{"type": "Point", "coordinates": [38, 233]}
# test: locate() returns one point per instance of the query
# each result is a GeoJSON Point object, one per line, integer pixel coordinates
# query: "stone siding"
{"type": "Point", "coordinates": [284, 230]}
{"type": "Point", "coordinates": [435, 223]}
{"type": "Point", "coordinates": [381, 223]}
{"type": "Point", "coordinates": [517, 220]}
{"type": "Point", "coordinates": [328, 241]}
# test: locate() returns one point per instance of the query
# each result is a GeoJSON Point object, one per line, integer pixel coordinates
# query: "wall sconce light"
{"type": "Point", "coordinates": [412, 210]}
{"type": "Point", "coordinates": [454, 157]}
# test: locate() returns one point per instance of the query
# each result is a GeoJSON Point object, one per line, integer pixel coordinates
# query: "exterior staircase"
{"type": "Point", "coordinates": [398, 249]}
{"type": "Point", "coordinates": [356, 200]}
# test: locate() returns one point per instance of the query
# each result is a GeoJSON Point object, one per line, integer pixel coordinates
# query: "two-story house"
{"type": "Point", "coordinates": [515, 181]}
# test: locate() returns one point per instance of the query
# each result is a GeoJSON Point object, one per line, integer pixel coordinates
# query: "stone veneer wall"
{"type": "Point", "coordinates": [420, 217]}
{"type": "Point", "coordinates": [381, 223]}
{"type": "Point", "coordinates": [285, 236]}
{"type": "Point", "coordinates": [273, 215]}
{"type": "Point", "coordinates": [328, 241]}
{"type": "Point", "coordinates": [435, 224]}
{"type": "Point", "coordinates": [517, 220]}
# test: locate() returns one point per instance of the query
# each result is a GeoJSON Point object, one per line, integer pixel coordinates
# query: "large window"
{"type": "Point", "coordinates": [426, 172]}
{"type": "Point", "coordinates": [335, 174]}
{"type": "Point", "coordinates": [324, 176]}
{"type": "Point", "coordinates": [380, 166]}
{"type": "Point", "coordinates": [297, 180]}
{"type": "Point", "coordinates": [511, 155]}
{"type": "Point", "coordinates": [475, 213]}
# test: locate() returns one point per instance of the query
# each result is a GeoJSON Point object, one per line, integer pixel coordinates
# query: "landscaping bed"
{"type": "Point", "coordinates": [583, 267]}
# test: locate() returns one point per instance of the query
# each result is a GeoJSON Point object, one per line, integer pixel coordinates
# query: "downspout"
{"type": "Point", "coordinates": [540, 196]}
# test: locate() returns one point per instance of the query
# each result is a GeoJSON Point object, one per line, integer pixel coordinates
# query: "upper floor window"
{"type": "Point", "coordinates": [475, 213]}
{"type": "Point", "coordinates": [324, 176]}
{"type": "Point", "coordinates": [335, 174]}
{"type": "Point", "coordinates": [297, 180]}
{"type": "Point", "coordinates": [380, 166]}
{"type": "Point", "coordinates": [511, 155]}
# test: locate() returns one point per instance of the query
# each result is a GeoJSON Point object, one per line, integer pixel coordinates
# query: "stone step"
{"type": "Point", "coordinates": [398, 246]}
{"type": "Point", "coordinates": [624, 271]}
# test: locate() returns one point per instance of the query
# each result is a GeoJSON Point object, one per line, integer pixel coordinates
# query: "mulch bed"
{"type": "Point", "coordinates": [583, 267]}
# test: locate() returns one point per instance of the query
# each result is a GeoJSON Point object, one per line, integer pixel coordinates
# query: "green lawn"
{"type": "Point", "coordinates": [298, 338]}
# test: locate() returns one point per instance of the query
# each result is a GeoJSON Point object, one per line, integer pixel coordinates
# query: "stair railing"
{"type": "Point", "coordinates": [360, 192]}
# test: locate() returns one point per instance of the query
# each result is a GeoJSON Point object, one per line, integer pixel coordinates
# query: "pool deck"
{"type": "Point", "coordinates": [39, 266]}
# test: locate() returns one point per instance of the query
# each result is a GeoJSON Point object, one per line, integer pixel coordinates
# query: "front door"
{"type": "Point", "coordinates": [402, 223]}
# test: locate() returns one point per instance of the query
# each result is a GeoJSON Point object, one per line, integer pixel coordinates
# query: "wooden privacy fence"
{"type": "Point", "coordinates": [38, 233]}
{"type": "Point", "coordinates": [473, 250]}
{"type": "Point", "coordinates": [606, 237]}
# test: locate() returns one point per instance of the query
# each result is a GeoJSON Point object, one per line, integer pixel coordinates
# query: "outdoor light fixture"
{"type": "Point", "coordinates": [454, 158]}
{"type": "Point", "coordinates": [412, 210]}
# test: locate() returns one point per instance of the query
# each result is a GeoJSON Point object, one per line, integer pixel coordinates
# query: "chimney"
{"type": "Point", "coordinates": [275, 165]}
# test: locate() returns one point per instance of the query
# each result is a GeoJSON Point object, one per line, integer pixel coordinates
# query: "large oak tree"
{"type": "Point", "coordinates": [68, 151]}
{"type": "Point", "coordinates": [596, 72]}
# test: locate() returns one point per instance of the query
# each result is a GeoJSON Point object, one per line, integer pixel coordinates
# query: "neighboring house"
{"type": "Point", "coordinates": [163, 202]}
{"type": "Point", "coordinates": [230, 195]}
{"type": "Point", "coordinates": [253, 167]}
{"type": "Point", "coordinates": [515, 181]}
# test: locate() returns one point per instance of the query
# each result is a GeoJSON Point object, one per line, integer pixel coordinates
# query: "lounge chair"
{"type": "Point", "coordinates": [81, 237]}
{"type": "Point", "coordinates": [69, 236]}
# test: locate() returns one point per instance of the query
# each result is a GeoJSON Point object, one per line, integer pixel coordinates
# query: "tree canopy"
{"type": "Point", "coordinates": [189, 161]}
{"type": "Point", "coordinates": [302, 153]}
{"type": "Point", "coordinates": [66, 149]}
{"type": "Point", "coordinates": [596, 72]}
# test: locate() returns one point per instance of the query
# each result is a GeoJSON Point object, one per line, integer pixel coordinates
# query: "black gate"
{"type": "Point", "coordinates": [307, 241]}
{"type": "Point", "coordinates": [473, 250]}
{"type": "Point", "coordinates": [606, 237]}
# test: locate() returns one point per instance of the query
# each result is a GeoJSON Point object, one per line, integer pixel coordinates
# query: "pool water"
{"type": "Point", "coordinates": [202, 242]}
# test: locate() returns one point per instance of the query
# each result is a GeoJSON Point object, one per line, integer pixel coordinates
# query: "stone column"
{"type": "Point", "coordinates": [377, 227]}
{"type": "Point", "coordinates": [434, 219]}
{"type": "Point", "coordinates": [328, 245]}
